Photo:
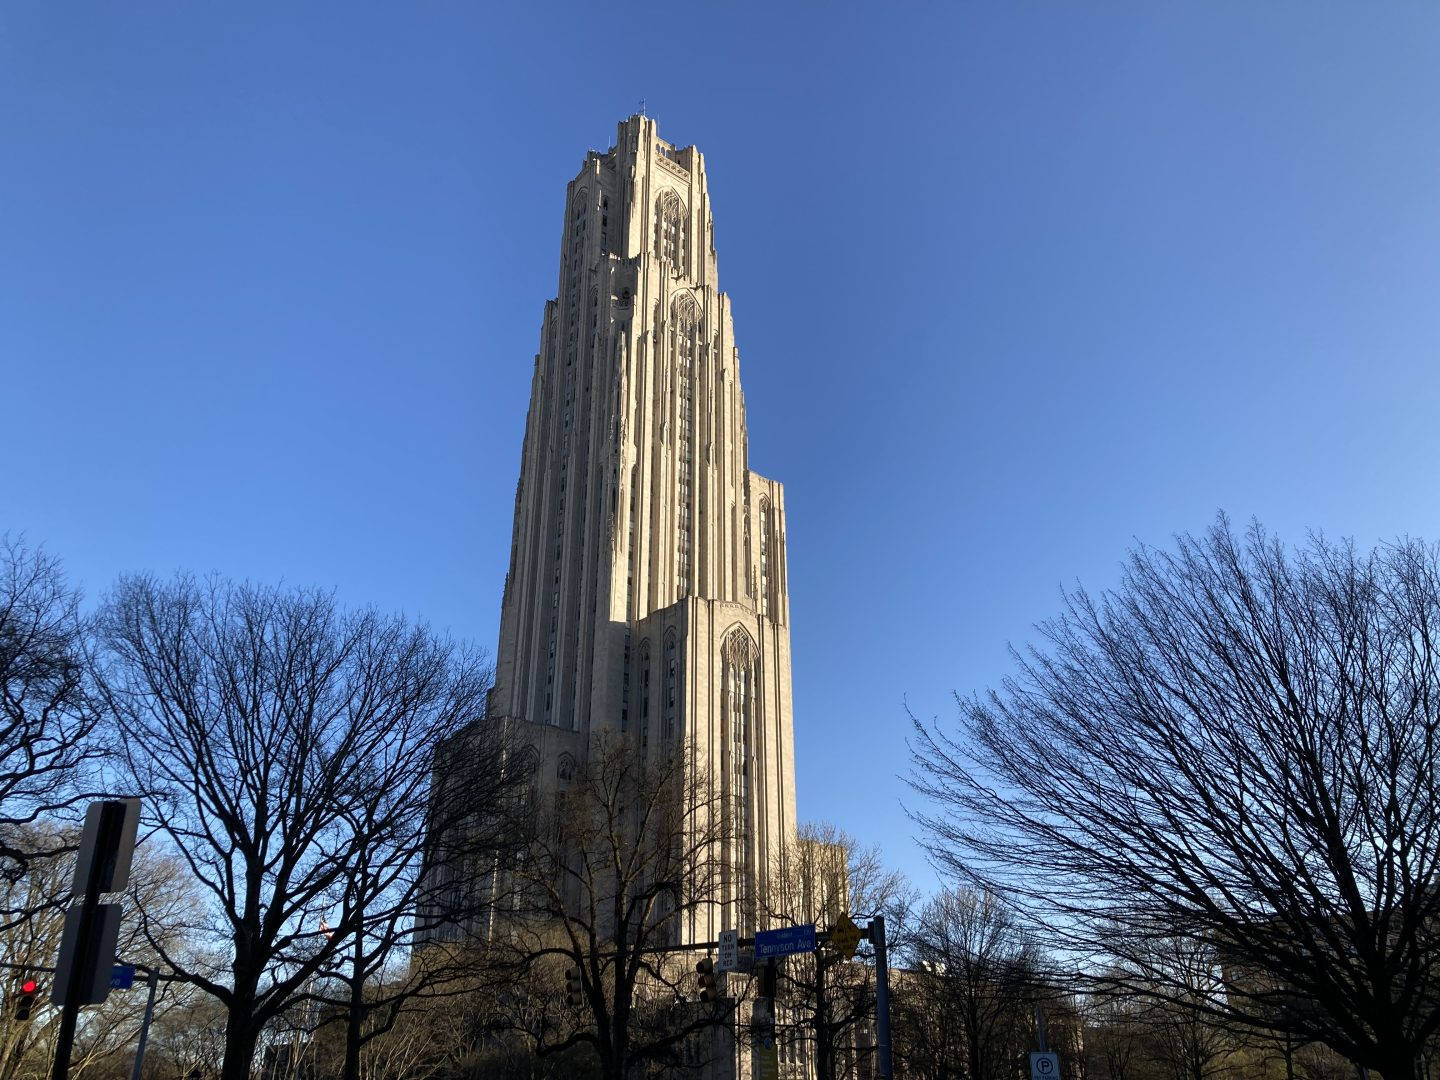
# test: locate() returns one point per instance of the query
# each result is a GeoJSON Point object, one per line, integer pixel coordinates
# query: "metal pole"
{"type": "Point", "coordinates": [79, 967]}
{"type": "Point", "coordinates": [145, 1026]}
{"type": "Point", "coordinates": [764, 1058]}
{"type": "Point", "coordinates": [882, 998]}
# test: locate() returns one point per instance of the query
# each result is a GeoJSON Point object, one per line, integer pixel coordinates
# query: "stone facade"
{"type": "Point", "coordinates": [646, 593]}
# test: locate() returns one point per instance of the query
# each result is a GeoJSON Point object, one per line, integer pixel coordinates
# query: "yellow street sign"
{"type": "Point", "coordinates": [844, 936]}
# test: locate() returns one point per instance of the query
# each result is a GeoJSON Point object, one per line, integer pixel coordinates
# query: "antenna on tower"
{"type": "Point", "coordinates": [642, 107]}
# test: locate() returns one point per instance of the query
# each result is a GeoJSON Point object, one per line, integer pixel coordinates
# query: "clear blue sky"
{"type": "Point", "coordinates": [1016, 284]}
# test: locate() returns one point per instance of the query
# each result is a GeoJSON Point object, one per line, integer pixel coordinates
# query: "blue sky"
{"type": "Point", "coordinates": [1016, 285]}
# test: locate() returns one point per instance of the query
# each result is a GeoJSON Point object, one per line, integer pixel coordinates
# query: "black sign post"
{"type": "Point", "coordinates": [87, 949]}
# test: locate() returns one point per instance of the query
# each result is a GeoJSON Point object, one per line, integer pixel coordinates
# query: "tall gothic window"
{"type": "Point", "coordinates": [632, 556]}
{"type": "Point", "coordinates": [625, 688]}
{"type": "Point", "coordinates": [578, 220]}
{"type": "Point", "coordinates": [738, 663]}
{"type": "Point", "coordinates": [764, 556]}
{"type": "Point", "coordinates": [684, 324]}
{"type": "Point", "coordinates": [670, 217]}
{"type": "Point", "coordinates": [644, 694]}
{"type": "Point", "coordinates": [672, 686]}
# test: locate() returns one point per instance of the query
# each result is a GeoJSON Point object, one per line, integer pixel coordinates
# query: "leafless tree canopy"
{"type": "Point", "coordinates": [970, 995]}
{"type": "Point", "coordinates": [1237, 746]}
{"type": "Point", "coordinates": [615, 867]}
{"type": "Point", "coordinates": [279, 744]}
{"type": "Point", "coordinates": [827, 1002]}
{"type": "Point", "coordinates": [48, 710]}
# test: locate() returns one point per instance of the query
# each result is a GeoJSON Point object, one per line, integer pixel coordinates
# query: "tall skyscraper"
{"type": "Point", "coordinates": [646, 592]}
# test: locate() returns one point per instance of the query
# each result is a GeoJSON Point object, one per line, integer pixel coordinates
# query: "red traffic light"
{"type": "Point", "coordinates": [25, 1000]}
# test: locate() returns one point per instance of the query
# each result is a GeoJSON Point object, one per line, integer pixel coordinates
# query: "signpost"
{"type": "Point", "coordinates": [786, 941]}
{"type": "Point", "coordinates": [728, 955]}
{"type": "Point", "coordinates": [87, 945]}
{"type": "Point", "coordinates": [1044, 1065]}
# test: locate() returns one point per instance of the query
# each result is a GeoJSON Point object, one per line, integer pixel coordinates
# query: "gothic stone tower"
{"type": "Point", "coordinates": [646, 592]}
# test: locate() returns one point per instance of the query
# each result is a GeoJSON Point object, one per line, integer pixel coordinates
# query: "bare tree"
{"type": "Point", "coordinates": [828, 999]}
{"type": "Point", "coordinates": [418, 827]}
{"type": "Point", "coordinates": [1188, 1040]}
{"type": "Point", "coordinates": [1237, 746]}
{"type": "Point", "coordinates": [48, 708]}
{"type": "Point", "coordinates": [977, 973]}
{"type": "Point", "coordinates": [1114, 1034]}
{"type": "Point", "coordinates": [616, 867]}
{"type": "Point", "coordinates": [273, 738]}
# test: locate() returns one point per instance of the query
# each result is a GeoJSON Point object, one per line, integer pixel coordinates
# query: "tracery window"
{"type": "Point", "coordinates": [739, 656]}
{"type": "Point", "coordinates": [670, 239]}
{"type": "Point", "coordinates": [684, 331]}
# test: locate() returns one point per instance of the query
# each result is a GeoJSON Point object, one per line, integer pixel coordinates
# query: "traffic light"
{"type": "Point", "coordinates": [573, 994]}
{"type": "Point", "coordinates": [705, 972]}
{"type": "Point", "coordinates": [25, 1000]}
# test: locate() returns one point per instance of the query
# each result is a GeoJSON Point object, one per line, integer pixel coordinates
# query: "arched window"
{"type": "Point", "coordinates": [565, 768]}
{"type": "Point", "coordinates": [670, 215]}
{"type": "Point", "coordinates": [739, 656]}
{"type": "Point", "coordinates": [684, 324]}
{"type": "Point", "coordinates": [672, 686]}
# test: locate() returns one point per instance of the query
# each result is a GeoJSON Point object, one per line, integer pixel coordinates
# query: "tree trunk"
{"type": "Point", "coordinates": [1401, 1063]}
{"type": "Point", "coordinates": [240, 1038]}
{"type": "Point", "coordinates": [354, 1023]}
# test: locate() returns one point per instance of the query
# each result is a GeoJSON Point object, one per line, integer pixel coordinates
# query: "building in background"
{"type": "Point", "coordinates": [646, 591]}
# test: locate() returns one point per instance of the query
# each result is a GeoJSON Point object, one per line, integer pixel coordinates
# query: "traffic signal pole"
{"type": "Point", "coordinates": [882, 998]}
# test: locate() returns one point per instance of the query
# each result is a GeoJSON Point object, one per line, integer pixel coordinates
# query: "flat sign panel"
{"type": "Point", "coordinates": [106, 845]}
{"type": "Point", "coordinates": [728, 956]}
{"type": "Point", "coordinates": [87, 961]}
{"type": "Point", "coordinates": [785, 942]}
{"type": "Point", "coordinates": [122, 976]}
{"type": "Point", "coordinates": [1044, 1067]}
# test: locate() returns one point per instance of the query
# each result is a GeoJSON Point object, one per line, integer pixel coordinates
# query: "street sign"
{"type": "Point", "coordinates": [1044, 1066]}
{"type": "Point", "coordinates": [121, 976]}
{"type": "Point", "coordinates": [728, 956]}
{"type": "Point", "coordinates": [87, 962]}
{"type": "Point", "coordinates": [844, 936]}
{"type": "Point", "coordinates": [785, 941]}
{"type": "Point", "coordinates": [106, 845]}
